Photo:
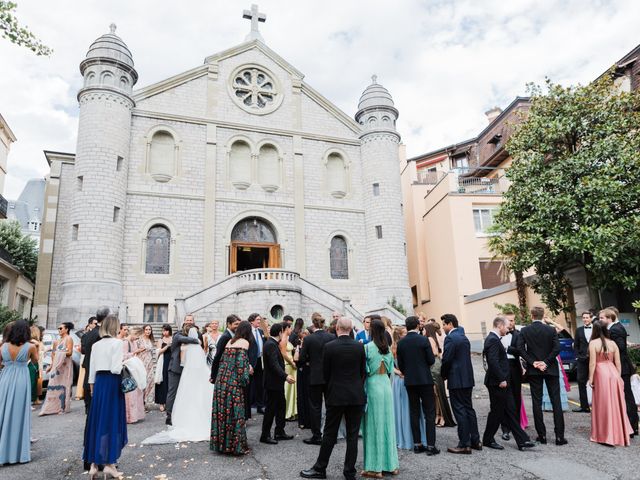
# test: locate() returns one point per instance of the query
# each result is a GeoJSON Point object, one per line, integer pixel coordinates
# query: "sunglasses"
{"type": "Point", "coordinates": [59, 328]}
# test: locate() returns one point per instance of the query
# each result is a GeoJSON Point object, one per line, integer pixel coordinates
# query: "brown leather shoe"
{"type": "Point", "coordinates": [459, 450]}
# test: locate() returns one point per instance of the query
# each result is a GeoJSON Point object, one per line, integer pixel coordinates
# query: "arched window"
{"type": "Point", "coordinates": [253, 230]}
{"type": "Point", "coordinates": [269, 168]}
{"type": "Point", "coordinates": [162, 156]}
{"type": "Point", "coordinates": [336, 175]}
{"type": "Point", "coordinates": [339, 258]}
{"type": "Point", "coordinates": [106, 78]}
{"type": "Point", "coordinates": [240, 165]}
{"type": "Point", "coordinates": [158, 250]}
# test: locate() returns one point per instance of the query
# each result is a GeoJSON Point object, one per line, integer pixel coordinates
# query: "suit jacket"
{"type": "Point", "coordinates": [539, 342]}
{"type": "Point", "coordinates": [274, 374]}
{"type": "Point", "coordinates": [252, 353]}
{"type": "Point", "coordinates": [619, 335]}
{"type": "Point", "coordinates": [345, 368]}
{"type": "Point", "coordinates": [456, 360]}
{"type": "Point", "coordinates": [581, 345]}
{"type": "Point", "coordinates": [86, 344]}
{"type": "Point", "coordinates": [220, 346]}
{"type": "Point", "coordinates": [178, 340]}
{"type": "Point", "coordinates": [362, 337]}
{"type": "Point", "coordinates": [498, 370]}
{"type": "Point", "coordinates": [415, 358]}
{"type": "Point", "coordinates": [312, 353]}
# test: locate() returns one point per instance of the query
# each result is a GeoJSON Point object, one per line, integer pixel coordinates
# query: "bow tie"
{"type": "Point", "coordinates": [587, 328]}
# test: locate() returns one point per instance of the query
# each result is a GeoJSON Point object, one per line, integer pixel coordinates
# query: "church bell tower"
{"type": "Point", "coordinates": [94, 244]}
{"type": "Point", "coordinates": [387, 262]}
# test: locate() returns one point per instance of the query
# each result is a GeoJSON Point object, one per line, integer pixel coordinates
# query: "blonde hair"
{"type": "Point", "coordinates": [35, 333]}
{"type": "Point", "coordinates": [609, 313]}
{"type": "Point", "coordinates": [110, 326]}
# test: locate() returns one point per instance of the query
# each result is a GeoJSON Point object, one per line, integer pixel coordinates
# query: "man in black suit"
{"type": "Point", "coordinates": [311, 353]}
{"type": "Point", "coordinates": [618, 334]}
{"type": "Point", "coordinates": [581, 347]}
{"type": "Point", "coordinates": [497, 380]}
{"type": "Point", "coordinates": [539, 346]}
{"type": "Point", "coordinates": [510, 343]}
{"type": "Point", "coordinates": [415, 358]}
{"type": "Point", "coordinates": [255, 388]}
{"type": "Point", "coordinates": [458, 371]}
{"type": "Point", "coordinates": [274, 378]}
{"type": "Point", "coordinates": [175, 368]}
{"type": "Point", "coordinates": [232, 323]}
{"type": "Point", "coordinates": [344, 368]}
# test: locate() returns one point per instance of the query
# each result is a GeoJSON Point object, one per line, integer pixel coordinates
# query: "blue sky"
{"type": "Point", "coordinates": [444, 62]}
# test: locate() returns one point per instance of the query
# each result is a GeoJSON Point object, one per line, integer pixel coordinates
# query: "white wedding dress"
{"type": "Point", "coordinates": [191, 416]}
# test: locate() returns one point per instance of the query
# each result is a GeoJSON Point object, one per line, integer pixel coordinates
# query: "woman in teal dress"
{"type": "Point", "coordinates": [15, 394]}
{"type": "Point", "coordinates": [378, 426]}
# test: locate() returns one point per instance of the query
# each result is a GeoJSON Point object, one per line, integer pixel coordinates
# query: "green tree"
{"type": "Point", "coordinates": [575, 190]}
{"type": "Point", "coordinates": [7, 316]}
{"type": "Point", "coordinates": [22, 36]}
{"type": "Point", "coordinates": [23, 249]}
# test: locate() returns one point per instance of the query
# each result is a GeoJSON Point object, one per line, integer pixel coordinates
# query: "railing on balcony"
{"type": "Point", "coordinates": [478, 185]}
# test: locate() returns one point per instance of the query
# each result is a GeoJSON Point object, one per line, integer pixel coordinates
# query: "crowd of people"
{"type": "Point", "coordinates": [393, 385]}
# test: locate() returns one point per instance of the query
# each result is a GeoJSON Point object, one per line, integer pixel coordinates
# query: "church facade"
{"type": "Point", "coordinates": [231, 187]}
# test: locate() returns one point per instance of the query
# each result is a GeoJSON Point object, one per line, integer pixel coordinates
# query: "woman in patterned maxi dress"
{"type": "Point", "coordinates": [146, 342]}
{"type": "Point", "coordinates": [58, 399]}
{"type": "Point", "coordinates": [228, 424]}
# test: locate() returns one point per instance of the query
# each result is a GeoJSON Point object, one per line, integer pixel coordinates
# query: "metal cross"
{"type": "Point", "coordinates": [255, 18]}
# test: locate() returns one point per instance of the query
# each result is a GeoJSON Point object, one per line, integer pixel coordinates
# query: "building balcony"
{"type": "Point", "coordinates": [267, 279]}
{"type": "Point", "coordinates": [3, 207]}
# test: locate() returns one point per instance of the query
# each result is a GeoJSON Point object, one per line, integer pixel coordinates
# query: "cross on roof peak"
{"type": "Point", "coordinates": [255, 18]}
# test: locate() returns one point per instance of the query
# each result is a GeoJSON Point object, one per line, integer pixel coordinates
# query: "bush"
{"type": "Point", "coordinates": [393, 303]}
{"type": "Point", "coordinates": [512, 309]}
{"type": "Point", "coordinates": [7, 315]}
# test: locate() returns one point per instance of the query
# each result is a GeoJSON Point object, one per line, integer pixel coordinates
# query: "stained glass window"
{"type": "Point", "coordinates": [158, 250]}
{"type": "Point", "coordinates": [253, 230]}
{"type": "Point", "coordinates": [338, 258]}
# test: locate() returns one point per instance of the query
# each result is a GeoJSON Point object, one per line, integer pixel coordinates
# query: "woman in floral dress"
{"type": "Point", "coordinates": [134, 401]}
{"type": "Point", "coordinates": [228, 424]}
{"type": "Point", "coordinates": [146, 342]}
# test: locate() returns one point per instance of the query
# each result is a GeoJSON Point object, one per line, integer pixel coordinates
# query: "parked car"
{"type": "Point", "coordinates": [568, 354]}
{"type": "Point", "coordinates": [48, 339]}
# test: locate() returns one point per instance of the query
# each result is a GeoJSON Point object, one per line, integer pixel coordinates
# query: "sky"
{"type": "Point", "coordinates": [444, 62]}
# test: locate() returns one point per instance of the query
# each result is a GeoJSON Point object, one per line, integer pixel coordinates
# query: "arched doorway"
{"type": "Point", "coordinates": [253, 245]}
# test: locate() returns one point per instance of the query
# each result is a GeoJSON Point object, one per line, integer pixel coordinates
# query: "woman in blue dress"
{"type": "Point", "coordinates": [15, 394]}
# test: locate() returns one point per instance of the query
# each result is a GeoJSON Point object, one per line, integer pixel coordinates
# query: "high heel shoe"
{"type": "Point", "coordinates": [93, 471]}
{"type": "Point", "coordinates": [112, 472]}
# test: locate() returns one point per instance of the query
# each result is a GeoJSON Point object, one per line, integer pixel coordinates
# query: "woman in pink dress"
{"type": "Point", "coordinates": [58, 399]}
{"type": "Point", "coordinates": [134, 401]}
{"type": "Point", "coordinates": [609, 422]}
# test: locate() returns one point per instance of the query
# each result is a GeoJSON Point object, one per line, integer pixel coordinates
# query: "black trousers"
{"type": "Point", "coordinates": [582, 375]}
{"type": "Point", "coordinates": [632, 409]}
{"type": "Point", "coordinates": [422, 394]}
{"type": "Point", "coordinates": [257, 392]}
{"type": "Point", "coordinates": [275, 408]}
{"type": "Point", "coordinates": [553, 387]}
{"type": "Point", "coordinates": [462, 406]}
{"type": "Point", "coordinates": [515, 384]}
{"type": "Point", "coordinates": [87, 393]}
{"type": "Point", "coordinates": [502, 411]}
{"type": "Point", "coordinates": [174, 382]}
{"type": "Point", "coordinates": [316, 393]}
{"type": "Point", "coordinates": [352, 415]}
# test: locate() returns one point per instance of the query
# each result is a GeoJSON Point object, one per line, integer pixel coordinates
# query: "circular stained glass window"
{"type": "Point", "coordinates": [255, 90]}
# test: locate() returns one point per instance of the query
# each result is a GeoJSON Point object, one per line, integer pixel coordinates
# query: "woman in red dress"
{"type": "Point", "coordinates": [609, 422]}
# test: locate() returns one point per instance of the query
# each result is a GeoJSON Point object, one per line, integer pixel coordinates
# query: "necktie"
{"type": "Point", "coordinates": [258, 342]}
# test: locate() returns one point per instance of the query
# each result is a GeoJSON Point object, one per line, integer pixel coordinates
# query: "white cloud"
{"type": "Point", "coordinates": [444, 62]}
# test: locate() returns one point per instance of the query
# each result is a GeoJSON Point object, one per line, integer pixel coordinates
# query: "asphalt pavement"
{"type": "Point", "coordinates": [56, 454]}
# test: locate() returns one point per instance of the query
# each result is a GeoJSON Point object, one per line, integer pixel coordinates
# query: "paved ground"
{"type": "Point", "coordinates": [57, 454]}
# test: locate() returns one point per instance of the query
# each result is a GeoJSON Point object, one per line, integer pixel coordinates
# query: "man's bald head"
{"type": "Point", "coordinates": [344, 326]}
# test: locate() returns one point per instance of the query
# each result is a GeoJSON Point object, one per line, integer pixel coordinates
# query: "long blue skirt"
{"type": "Point", "coordinates": [106, 433]}
{"type": "Point", "coordinates": [404, 437]}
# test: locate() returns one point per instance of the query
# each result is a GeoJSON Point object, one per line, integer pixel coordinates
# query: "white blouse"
{"type": "Point", "coordinates": [106, 355]}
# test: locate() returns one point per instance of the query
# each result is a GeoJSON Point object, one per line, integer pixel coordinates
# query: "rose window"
{"type": "Point", "coordinates": [254, 89]}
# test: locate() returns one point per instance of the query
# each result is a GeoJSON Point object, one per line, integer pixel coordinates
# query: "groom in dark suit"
{"type": "Point", "coordinates": [344, 368]}
{"type": "Point", "coordinates": [581, 347]}
{"type": "Point", "coordinates": [539, 346]}
{"type": "Point", "coordinates": [458, 371]}
{"type": "Point", "coordinates": [498, 382]}
{"type": "Point", "coordinates": [415, 358]}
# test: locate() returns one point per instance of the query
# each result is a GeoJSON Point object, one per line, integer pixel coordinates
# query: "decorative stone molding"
{"type": "Point", "coordinates": [381, 136]}
{"type": "Point", "coordinates": [90, 94]}
{"type": "Point", "coordinates": [255, 89]}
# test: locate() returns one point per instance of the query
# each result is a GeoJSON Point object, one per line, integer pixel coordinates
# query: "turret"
{"type": "Point", "coordinates": [93, 253]}
{"type": "Point", "coordinates": [388, 277]}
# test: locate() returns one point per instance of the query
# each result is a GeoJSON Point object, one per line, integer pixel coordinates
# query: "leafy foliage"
{"type": "Point", "coordinates": [22, 36]}
{"type": "Point", "coordinates": [23, 249]}
{"type": "Point", "coordinates": [393, 303]}
{"type": "Point", "coordinates": [522, 318]}
{"type": "Point", "coordinates": [7, 315]}
{"type": "Point", "coordinates": [575, 190]}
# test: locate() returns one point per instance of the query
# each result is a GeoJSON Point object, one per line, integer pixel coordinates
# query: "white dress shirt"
{"type": "Point", "coordinates": [587, 332]}
{"type": "Point", "coordinates": [106, 355]}
{"type": "Point", "coordinates": [506, 343]}
{"type": "Point", "coordinates": [258, 338]}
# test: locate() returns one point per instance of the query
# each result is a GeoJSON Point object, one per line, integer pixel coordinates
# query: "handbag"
{"type": "Point", "coordinates": [127, 382]}
{"type": "Point", "coordinates": [158, 373]}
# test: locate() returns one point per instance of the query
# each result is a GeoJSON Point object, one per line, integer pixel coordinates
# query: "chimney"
{"type": "Point", "coordinates": [493, 113]}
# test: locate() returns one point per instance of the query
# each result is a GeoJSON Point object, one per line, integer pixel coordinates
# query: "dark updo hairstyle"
{"type": "Point", "coordinates": [68, 325]}
{"type": "Point", "coordinates": [243, 331]}
{"type": "Point", "coordinates": [378, 336]}
{"type": "Point", "coordinates": [19, 333]}
{"type": "Point", "coordinates": [167, 328]}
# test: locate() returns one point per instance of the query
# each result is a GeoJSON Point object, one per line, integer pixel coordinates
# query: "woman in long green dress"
{"type": "Point", "coordinates": [378, 427]}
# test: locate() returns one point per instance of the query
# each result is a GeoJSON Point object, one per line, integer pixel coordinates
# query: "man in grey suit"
{"type": "Point", "coordinates": [175, 369]}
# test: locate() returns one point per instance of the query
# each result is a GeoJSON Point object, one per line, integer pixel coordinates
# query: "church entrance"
{"type": "Point", "coordinates": [253, 245]}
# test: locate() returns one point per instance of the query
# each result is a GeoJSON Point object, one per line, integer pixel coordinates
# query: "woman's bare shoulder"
{"type": "Point", "coordinates": [240, 343]}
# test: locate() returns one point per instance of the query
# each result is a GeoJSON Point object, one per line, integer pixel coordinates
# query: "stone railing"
{"type": "Point", "coordinates": [267, 279]}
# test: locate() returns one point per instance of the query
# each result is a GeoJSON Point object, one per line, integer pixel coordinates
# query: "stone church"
{"type": "Point", "coordinates": [231, 187]}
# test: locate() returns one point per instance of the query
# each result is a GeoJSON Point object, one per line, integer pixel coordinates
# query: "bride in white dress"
{"type": "Point", "coordinates": [191, 415]}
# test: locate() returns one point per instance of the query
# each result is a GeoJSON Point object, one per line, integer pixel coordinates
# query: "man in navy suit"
{"type": "Point", "coordinates": [458, 371]}
{"type": "Point", "coordinates": [364, 336]}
